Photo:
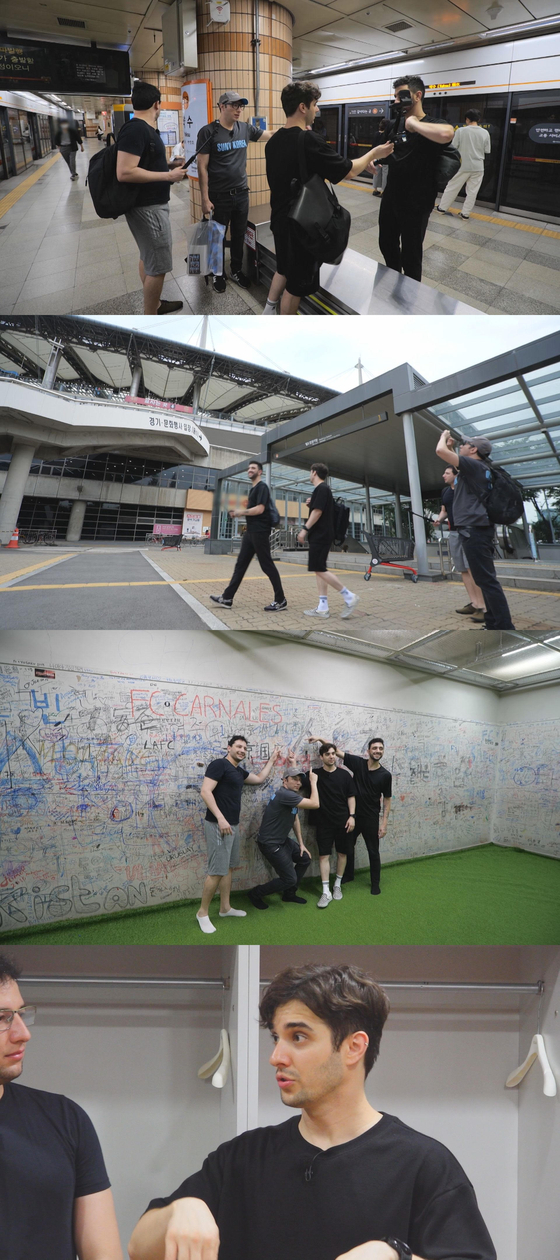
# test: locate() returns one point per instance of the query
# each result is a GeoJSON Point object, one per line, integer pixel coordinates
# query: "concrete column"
{"type": "Point", "coordinates": [52, 366]}
{"type": "Point", "coordinates": [369, 522]}
{"type": "Point", "coordinates": [14, 488]}
{"type": "Point", "coordinates": [136, 379]}
{"type": "Point", "coordinates": [398, 516]}
{"type": "Point", "coordinates": [415, 494]}
{"type": "Point", "coordinates": [196, 397]}
{"type": "Point", "coordinates": [77, 513]}
{"type": "Point", "coordinates": [285, 509]}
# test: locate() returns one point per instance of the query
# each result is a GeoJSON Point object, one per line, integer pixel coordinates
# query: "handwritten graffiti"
{"type": "Point", "coordinates": [527, 810]}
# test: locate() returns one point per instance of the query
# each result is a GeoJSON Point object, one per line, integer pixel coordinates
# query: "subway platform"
{"type": "Point", "coordinates": [57, 257]}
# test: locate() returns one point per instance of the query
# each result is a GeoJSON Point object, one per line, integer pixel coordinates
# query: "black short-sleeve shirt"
{"type": "Point", "coordinates": [282, 165]}
{"type": "Point", "coordinates": [279, 815]}
{"type": "Point", "coordinates": [146, 143]}
{"type": "Point", "coordinates": [370, 785]}
{"type": "Point", "coordinates": [322, 498]}
{"type": "Point", "coordinates": [259, 494]}
{"type": "Point", "coordinates": [389, 1182]}
{"type": "Point", "coordinates": [413, 166]}
{"type": "Point", "coordinates": [49, 1156]}
{"type": "Point", "coordinates": [467, 508]}
{"type": "Point", "coordinates": [228, 789]}
{"type": "Point", "coordinates": [447, 496]}
{"type": "Point", "coordinates": [334, 788]}
{"type": "Point", "coordinates": [227, 154]}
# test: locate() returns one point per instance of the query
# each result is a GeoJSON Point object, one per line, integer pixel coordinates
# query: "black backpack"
{"type": "Point", "coordinates": [341, 517]}
{"type": "Point", "coordinates": [273, 513]}
{"type": "Point", "coordinates": [449, 163]}
{"type": "Point", "coordinates": [503, 500]}
{"type": "Point", "coordinates": [318, 221]}
{"type": "Point", "coordinates": [110, 198]}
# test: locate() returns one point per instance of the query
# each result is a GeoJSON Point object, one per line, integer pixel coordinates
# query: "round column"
{"type": "Point", "coordinates": [226, 57]}
{"type": "Point", "coordinates": [14, 488]}
{"type": "Point", "coordinates": [75, 524]}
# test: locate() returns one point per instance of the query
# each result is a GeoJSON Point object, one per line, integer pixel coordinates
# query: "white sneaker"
{"type": "Point", "coordinates": [337, 893]}
{"type": "Point", "coordinates": [316, 612]}
{"type": "Point", "coordinates": [324, 900]}
{"type": "Point", "coordinates": [350, 604]}
{"type": "Point", "coordinates": [270, 309]}
{"type": "Point", "coordinates": [205, 924]}
{"type": "Point", "coordinates": [233, 914]}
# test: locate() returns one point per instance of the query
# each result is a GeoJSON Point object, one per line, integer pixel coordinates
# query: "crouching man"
{"type": "Point", "coordinates": [341, 1181]}
{"type": "Point", "coordinates": [288, 857]}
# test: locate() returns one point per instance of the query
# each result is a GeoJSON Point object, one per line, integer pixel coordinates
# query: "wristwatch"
{"type": "Point", "coordinates": [304, 527]}
{"type": "Point", "coordinates": [402, 1249]}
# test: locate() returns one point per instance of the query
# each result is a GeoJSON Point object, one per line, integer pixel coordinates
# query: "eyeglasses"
{"type": "Point", "coordinates": [26, 1013]}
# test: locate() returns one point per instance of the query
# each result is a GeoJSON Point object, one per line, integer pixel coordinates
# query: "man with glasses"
{"type": "Point", "coordinates": [55, 1200]}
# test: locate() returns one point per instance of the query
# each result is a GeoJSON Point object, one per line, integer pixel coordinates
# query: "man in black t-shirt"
{"type": "Point", "coordinates": [477, 533]}
{"type": "Point", "coordinates": [297, 272]}
{"type": "Point", "coordinates": [334, 822]}
{"type": "Point", "coordinates": [141, 160]}
{"type": "Point", "coordinates": [222, 175]}
{"type": "Point", "coordinates": [476, 604]}
{"type": "Point", "coordinates": [372, 783]}
{"type": "Point", "coordinates": [343, 1181]}
{"type": "Point", "coordinates": [55, 1196]}
{"type": "Point", "coordinates": [255, 542]}
{"type": "Point", "coordinates": [288, 857]}
{"type": "Point", "coordinates": [221, 792]}
{"type": "Point", "coordinates": [319, 532]}
{"type": "Point", "coordinates": [410, 195]}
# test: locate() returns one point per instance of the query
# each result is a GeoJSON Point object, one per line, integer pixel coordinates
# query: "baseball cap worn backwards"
{"type": "Point", "coordinates": [483, 446]}
{"type": "Point", "coordinates": [232, 98]}
{"type": "Point", "coordinates": [292, 772]}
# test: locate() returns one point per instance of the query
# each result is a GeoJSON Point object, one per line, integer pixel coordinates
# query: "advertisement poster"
{"type": "Point", "coordinates": [196, 106]}
{"type": "Point", "coordinates": [168, 126]}
{"type": "Point", "coordinates": [192, 523]}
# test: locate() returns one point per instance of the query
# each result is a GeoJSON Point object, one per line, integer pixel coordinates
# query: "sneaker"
{"type": "Point", "coordinates": [167, 308]}
{"type": "Point", "coordinates": [276, 606]}
{"type": "Point", "coordinates": [324, 900]}
{"type": "Point", "coordinates": [349, 605]}
{"type": "Point", "coordinates": [464, 216]}
{"type": "Point", "coordinates": [479, 617]}
{"type": "Point", "coordinates": [256, 900]}
{"type": "Point", "coordinates": [300, 901]}
{"type": "Point", "coordinates": [219, 284]}
{"type": "Point", "coordinates": [337, 893]}
{"type": "Point", "coordinates": [224, 603]}
{"type": "Point", "coordinates": [440, 211]}
{"type": "Point", "coordinates": [315, 612]}
{"type": "Point", "coordinates": [375, 890]}
{"type": "Point", "coordinates": [467, 611]}
{"type": "Point", "coordinates": [240, 279]}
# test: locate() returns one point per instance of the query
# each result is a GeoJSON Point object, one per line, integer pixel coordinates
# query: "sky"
{"type": "Point", "coordinates": [326, 350]}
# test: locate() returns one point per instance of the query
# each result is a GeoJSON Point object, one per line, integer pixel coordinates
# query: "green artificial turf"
{"type": "Point", "coordinates": [483, 896]}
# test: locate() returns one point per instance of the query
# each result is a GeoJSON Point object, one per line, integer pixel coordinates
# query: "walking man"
{"type": "Point", "coordinates": [141, 160]}
{"type": "Point", "coordinates": [471, 520]}
{"type": "Point", "coordinates": [222, 175]}
{"type": "Point", "coordinates": [335, 821]}
{"type": "Point", "coordinates": [288, 857]}
{"type": "Point", "coordinates": [319, 531]}
{"type": "Point", "coordinates": [475, 606]}
{"type": "Point", "coordinates": [67, 139]}
{"type": "Point", "coordinates": [255, 542]}
{"type": "Point", "coordinates": [372, 784]}
{"type": "Point", "coordinates": [473, 143]}
{"type": "Point", "coordinates": [221, 792]}
{"type": "Point", "coordinates": [341, 1181]}
{"type": "Point", "coordinates": [55, 1195]}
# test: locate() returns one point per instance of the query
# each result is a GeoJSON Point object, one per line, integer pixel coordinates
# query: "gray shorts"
{"type": "Point", "coordinates": [151, 229]}
{"type": "Point", "coordinates": [457, 553]}
{"type": "Point", "coordinates": [223, 851]}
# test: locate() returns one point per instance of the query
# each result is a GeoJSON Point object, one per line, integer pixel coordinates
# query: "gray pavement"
{"type": "Point", "coordinates": [96, 607]}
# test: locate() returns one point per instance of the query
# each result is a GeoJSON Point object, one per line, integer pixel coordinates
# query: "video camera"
{"type": "Point", "coordinates": [397, 112]}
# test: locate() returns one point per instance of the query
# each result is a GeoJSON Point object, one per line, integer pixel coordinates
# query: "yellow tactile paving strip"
{"type": "Point", "coordinates": [485, 218]}
{"type": "Point", "coordinates": [9, 573]}
{"type": "Point", "coordinates": [12, 197]}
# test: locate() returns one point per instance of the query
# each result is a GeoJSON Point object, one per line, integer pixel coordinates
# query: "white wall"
{"type": "Point", "coordinates": [135, 1073]}
{"type": "Point", "coordinates": [539, 1133]}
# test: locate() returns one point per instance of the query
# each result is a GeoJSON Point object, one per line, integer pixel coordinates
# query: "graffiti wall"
{"type": "Point", "coordinates": [100, 777]}
{"type": "Point", "coordinates": [527, 811]}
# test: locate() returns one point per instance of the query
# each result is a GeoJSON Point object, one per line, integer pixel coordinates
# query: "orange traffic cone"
{"type": "Point", "coordinates": [13, 540]}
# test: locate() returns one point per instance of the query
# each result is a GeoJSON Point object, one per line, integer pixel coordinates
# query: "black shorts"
{"type": "Point", "coordinates": [318, 555]}
{"type": "Point", "coordinates": [334, 834]}
{"type": "Point", "coordinates": [300, 268]}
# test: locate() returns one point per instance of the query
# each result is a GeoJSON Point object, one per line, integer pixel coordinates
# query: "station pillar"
{"type": "Point", "coordinates": [231, 59]}
{"type": "Point", "coordinates": [415, 495]}
{"type": "Point", "coordinates": [14, 488]}
{"type": "Point", "coordinates": [398, 516]}
{"type": "Point", "coordinates": [75, 524]}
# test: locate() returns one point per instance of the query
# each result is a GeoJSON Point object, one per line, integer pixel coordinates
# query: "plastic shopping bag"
{"type": "Point", "coordinates": [205, 248]}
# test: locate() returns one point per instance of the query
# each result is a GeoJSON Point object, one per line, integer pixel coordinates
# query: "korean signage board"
{"type": "Point", "coordinates": [63, 68]}
{"type": "Point", "coordinates": [192, 523]}
{"type": "Point", "coordinates": [196, 103]}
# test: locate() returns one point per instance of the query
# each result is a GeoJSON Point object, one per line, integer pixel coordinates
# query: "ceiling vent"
{"type": "Point", "coordinates": [71, 22]}
{"type": "Point", "coordinates": [395, 27]}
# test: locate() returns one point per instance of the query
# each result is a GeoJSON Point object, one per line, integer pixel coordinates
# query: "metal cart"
{"type": "Point", "coordinates": [389, 551]}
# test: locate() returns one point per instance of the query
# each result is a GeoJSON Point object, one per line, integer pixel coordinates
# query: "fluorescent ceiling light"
{"type": "Point", "coordinates": [527, 648]}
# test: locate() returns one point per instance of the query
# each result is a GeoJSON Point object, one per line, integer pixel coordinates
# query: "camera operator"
{"type": "Point", "coordinates": [411, 189]}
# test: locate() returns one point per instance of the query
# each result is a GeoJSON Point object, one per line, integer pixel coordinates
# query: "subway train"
{"type": "Point", "coordinates": [28, 125]}
{"type": "Point", "coordinates": [516, 87]}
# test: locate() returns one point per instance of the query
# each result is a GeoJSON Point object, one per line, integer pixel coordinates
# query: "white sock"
{"type": "Point", "coordinates": [270, 307]}
{"type": "Point", "coordinates": [347, 596]}
{"type": "Point", "coordinates": [234, 914]}
{"type": "Point", "coordinates": [326, 888]}
{"type": "Point", "coordinates": [323, 603]}
{"type": "Point", "coordinates": [337, 881]}
{"type": "Point", "coordinates": [205, 923]}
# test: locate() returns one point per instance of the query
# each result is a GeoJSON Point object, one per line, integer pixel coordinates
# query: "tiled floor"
{"type": "Point", "coordinates": [56, 256]}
